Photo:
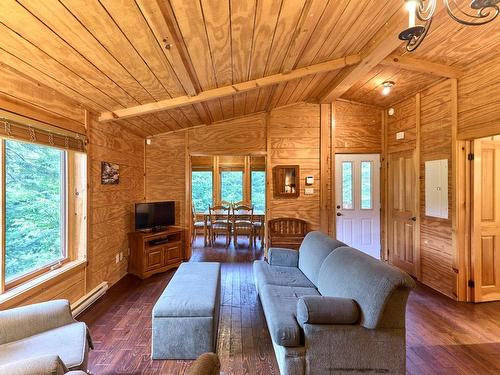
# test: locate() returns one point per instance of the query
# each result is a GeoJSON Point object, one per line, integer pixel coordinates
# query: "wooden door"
{"type": "Point", "coordinates": [402, 211]}
{"type": "Point", "coordinates": [357, 192]}
{"type": "Point", "coordinates": [486, 220]}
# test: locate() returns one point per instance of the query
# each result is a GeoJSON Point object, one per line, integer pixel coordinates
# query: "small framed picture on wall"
{"type": "Point", "coordinates": [110, 173]}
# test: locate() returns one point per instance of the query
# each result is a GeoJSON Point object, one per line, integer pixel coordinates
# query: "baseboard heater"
{"type": "Point", "coordinates": [84, 303]}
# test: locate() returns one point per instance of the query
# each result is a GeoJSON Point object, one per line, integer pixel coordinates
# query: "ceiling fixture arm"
{"type": "Point", "coordinates": [485, 11]}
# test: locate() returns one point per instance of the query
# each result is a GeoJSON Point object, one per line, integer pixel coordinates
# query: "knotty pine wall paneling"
{"type": "Point", "coordinates": [436, 247]}
{"type": "Point", "coordinates": [294, 138]}
{"type": "Point", "coordinates": [111, 206]}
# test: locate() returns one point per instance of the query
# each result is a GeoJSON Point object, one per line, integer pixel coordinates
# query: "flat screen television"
{"type": "Point", "coordinates": [154, 216]}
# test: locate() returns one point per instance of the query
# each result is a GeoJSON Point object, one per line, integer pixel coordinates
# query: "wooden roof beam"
{"type": "Point", "coordinates": [229, 90]}
{"type": "Point", "coordinates": [422, 66]}
{"type": "Point", "coordinates": [377, 49]}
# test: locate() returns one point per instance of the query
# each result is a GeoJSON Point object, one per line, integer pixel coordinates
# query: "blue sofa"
{"type": "Point", "coordinates": [332, 309]}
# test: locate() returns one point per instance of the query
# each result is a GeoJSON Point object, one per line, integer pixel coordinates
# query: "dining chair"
{"type": "Point", "coordinates": [243, 223]}
{"type": "Point", "coordinates": [220, 223]}
{"type": "Point", "coordinates": [258, 230]}
{"type": "Point", "coordinates": [198, 225]}
{"type": "Point", "coordinates": [226, 204]}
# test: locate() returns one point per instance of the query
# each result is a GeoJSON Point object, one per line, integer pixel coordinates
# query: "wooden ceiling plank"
{"type": "Point", "coordinates": [100, 24]}
{"type": "Point", "coordinates": [17, 18]}
{"type": "Point", "coordinates": [40, 76]}
{"type": "Point", "coordinates": [36, 60]}
{"type": "Point", "coordinates": [217, 27]}
{"type": "Point", "coordinates": [311, 14]}
{"type": "Point", "coordinates": [129, 18]}
{"type": "Point", "coordinates": [266, 18]}
{"type": "Point", "coordinates": [383, 44]}
{"type": "Point", "coordinates": [422, 66]}
{"type": "Point", "coordinates": [158, 16]}
{"type": "Point", "coordinates": [230, 90]}
{"type": "Point", "coordinates": [287, 23]}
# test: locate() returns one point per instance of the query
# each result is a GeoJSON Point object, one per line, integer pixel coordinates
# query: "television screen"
{"type": "Point", "coordinates": [154, 215]}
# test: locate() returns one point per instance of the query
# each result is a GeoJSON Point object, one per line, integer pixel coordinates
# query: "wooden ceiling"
{"type": "Point", "coordinates": [113, 54]}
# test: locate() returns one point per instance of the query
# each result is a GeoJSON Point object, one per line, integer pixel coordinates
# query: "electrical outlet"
{"type": "Point", "coordinates": [400, 135]}
{"type": "Point", "coordinates": [121, 256]}
{"type": "Point", "coordinates": [117, 258]}
{"type": "Point", "coordinates": [308, 191]}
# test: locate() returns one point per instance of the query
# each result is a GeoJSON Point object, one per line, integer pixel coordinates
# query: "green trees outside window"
{"type": "Point", "coordinates": [202, 187]}
{"type": "Point", "coordinates": [35, 207]}
{"type": "Point", "coordinates": [259, 190]}
{"type": "Point", "coordinates": [232, 186]}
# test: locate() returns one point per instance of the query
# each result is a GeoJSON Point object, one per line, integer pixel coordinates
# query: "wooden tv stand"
{"type": "Point", "coordinates": [155, 252]}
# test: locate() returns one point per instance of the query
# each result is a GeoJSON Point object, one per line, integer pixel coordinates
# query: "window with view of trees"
{"type": "Point", "coordinates": [201, 182]}
{"type": "Point", "coordinates": [35, 214]}
{"type": "Point", "coordinates": [232, 186]}
{"type": "Point", "coordinates": [259, 190]}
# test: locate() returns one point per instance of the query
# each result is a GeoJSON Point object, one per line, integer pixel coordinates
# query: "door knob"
{"type": "Point", "coordinates": [339, 214]}
{"type": "Point", "coordinates": [413, 218]}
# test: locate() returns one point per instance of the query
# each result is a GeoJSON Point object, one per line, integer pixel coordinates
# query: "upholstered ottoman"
{"type": "Point", "coordinates": [186, 316]}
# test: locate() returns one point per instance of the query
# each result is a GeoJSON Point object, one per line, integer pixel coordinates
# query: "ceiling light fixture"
{"type": "Point", "coordinates": [387, 87]}
{"type": "Point", "coordinates": [481, 12]}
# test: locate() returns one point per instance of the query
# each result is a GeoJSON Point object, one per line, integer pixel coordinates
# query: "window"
{"type": "Point", "coordinates": [201, 187]}
{"type": "Point", "coordinates": [35, 208]}
{"type": "Point", "coordinates": [366, 185]}
{"type": "Point", "coordinates": [347, 186]}
{"type": "Point", "coordinates": [259, 190]}
{"type": "Point", "coordinates": [231, 186]}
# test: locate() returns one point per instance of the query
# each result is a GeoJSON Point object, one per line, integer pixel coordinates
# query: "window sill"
{"type": "Point", "coordinates": [23, 291]}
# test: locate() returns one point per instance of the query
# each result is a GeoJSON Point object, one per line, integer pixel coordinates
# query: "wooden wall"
{"type": "Point", "coordinates": [109, 215]}
{"type": "Point", "coordinates": [479, 101]}
{"type": "Point", "coordinates": [111, 205]}
{"type": "Point", "coordinates": [294, 138]}
{"type": "Point", "coordinates": [436, 250]}
{"type": "Point", "coordinates": [431, 108]}
{"type": "Point", "coordinates": [358, 128]}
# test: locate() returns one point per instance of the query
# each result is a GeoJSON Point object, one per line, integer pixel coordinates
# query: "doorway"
{"type": "Point", "coordinates": [357, 192]}
{"type": "Point", "coordinates": [485, 219]}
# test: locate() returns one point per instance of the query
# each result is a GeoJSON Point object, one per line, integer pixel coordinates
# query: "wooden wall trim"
{"type": "Point", "coordinates": [333, 221]}
{"type": "Point", "coordinates": [384, 191]}
{"type": "Point", "coordinates": [416, 160]}
{"type": "Point", "coordinates": [325, 118]}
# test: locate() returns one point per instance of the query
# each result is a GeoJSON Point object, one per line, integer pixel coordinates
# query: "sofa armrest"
{"type": "Point", "coordinates": [279, 256]}
{"type": "Point", "coordinates": [351, 348]}
{"type": "Point", "coordinates": [26, 321]}
{"type": "Point", "coordinates": [48, 364]}
{"type": "Point", "coordinates": [326, 310]}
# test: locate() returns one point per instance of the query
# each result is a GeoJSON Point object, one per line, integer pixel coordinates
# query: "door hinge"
{"type": "Point", "coordinates": [470, 284]}
{"type": "Point", "coordinates": [470, 157]}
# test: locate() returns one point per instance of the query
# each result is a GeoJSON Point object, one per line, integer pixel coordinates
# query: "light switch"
{"type": "Point", "coordinates": [308, 191]}
{"type": "Point", "coordinates": [400, 135]}
{"type": "Point", "coordinates": [309, 180]}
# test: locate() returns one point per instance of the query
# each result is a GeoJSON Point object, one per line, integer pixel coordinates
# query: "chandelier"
{"type": "Point", "coordinates": [481, 12]}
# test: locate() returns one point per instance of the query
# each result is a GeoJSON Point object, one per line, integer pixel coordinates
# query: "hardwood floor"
{"type": "Point", "coordinates": [443, 336]}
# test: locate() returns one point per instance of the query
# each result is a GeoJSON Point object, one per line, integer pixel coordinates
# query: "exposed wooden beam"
{"type": "Point", "coordinates": [229, 90]}
{"type": "Point", "coordinates": [418, 65]}
{"type": "Point", "coordinates": [379, 47]}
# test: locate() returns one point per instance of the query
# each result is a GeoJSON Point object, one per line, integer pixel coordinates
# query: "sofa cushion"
{"type": "Point", "coordinates": [350, 273]}
{"type": "Point", "coordinates": [69, 342]}
{"type": "Point", "coordinates": [326, 310]}
{"type": "Point", "coordinates": [44, 365]}
{"type": "Point", "coordinates": [278, 256]}
{"type": "Point", "coordinates": [265, 274]}
{"type": "Point", "coordinates": [313, 251]}
{"type": "Point", "coordinates": [280, 308]}
{"type": "Point", "coordinates": [192, 291]}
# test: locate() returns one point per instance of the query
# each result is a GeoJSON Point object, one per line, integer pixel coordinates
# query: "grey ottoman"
{"type": "Point", "coordinates": [186, 316]}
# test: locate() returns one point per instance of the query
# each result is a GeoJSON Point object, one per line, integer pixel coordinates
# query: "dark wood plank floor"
{"type": "Point", "coordinates": [443, 336]}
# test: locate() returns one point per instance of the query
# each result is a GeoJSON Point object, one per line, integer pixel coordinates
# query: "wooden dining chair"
{"type": "Point", "coordinates": [197, 225]}
{"type": "Point", "coordinates": [243, 223]}
{"type": "Point", "coordinates": [220, 223]}
{"type": "Point", "coordinates": [258, 231]}
{"type": "Point", "coordinates": [226, 204]}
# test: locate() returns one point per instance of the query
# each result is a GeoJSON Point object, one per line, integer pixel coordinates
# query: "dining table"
{"type": "Point", "coordinates": [258, 216]}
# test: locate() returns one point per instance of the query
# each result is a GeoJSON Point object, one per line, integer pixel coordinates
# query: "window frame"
{"type": "Point", "coordinates": [232, 169]}
{"type": "Point", "coordinates": [65, 248]}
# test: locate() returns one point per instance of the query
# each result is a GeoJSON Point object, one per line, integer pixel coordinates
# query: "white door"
{"type": "Point", "coordinates": [357, 192]}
